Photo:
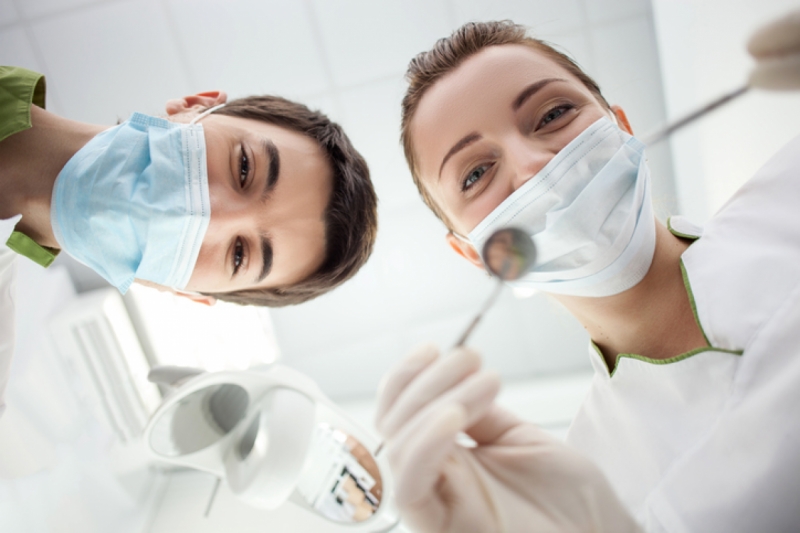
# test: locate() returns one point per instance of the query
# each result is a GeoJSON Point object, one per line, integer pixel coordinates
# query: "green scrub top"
{"type": "Point", "coordinates": [20, 89]}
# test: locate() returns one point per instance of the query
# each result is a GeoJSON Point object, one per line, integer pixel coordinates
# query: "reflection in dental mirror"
{"type": "Point", "coordinates": [509, 254]}
{"type": "Point", "coordinates": [200, 420]}
{"type": "Point", "coordinates": [340, 480]}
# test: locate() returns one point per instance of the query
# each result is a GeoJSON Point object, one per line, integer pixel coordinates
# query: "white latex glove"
{"type": "Point", "coordinates": [515, 478]}
{"type": "Point", "coordinates": [776, 49]}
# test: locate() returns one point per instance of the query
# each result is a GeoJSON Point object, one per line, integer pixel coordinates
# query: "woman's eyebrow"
{"type": "Point", "coordinates": [530, 90]}
{"type": "Point", "coordinates": [460, 145]}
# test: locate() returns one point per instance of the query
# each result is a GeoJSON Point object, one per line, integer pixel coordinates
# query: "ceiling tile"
{"type": "Point", "coordinates": [16, 49]}
{"type": "Point", "coordinates": [249, 46]}
{"type": "Point", "coordinates": [366, 40]}
{"type": "Point", "coordinates": [111, 60]}
{"type": "Point", "coordinates": [576, 45]}
{"type": "Point", "coordinates": [372, 121]}
{"type": "Point", "coordinates": [8, 13]}
{"type": "Point", "coordinates": [629, 75]}
{"type": "Point", "coordinates": [37, 8]}
{"type": "Point", "coordinates": [544, 17]}
{"type": "Point", "coordinates": [599, 11]}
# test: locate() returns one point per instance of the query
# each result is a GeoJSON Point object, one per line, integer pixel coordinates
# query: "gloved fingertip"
{"type": "Point", "coordinates": [423, 355]}
{"type": "Point", "coordinates": [494, 380]}
{"type": "Point", "coordinates": [453, 417]}
{"type": "Point", "coordinates": [467, 357]}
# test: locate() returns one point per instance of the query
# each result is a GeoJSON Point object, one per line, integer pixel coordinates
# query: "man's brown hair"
{"type": "Point", "coordinates": [447, 54]}
{"type": "Point", "coordinates": [351, 217]}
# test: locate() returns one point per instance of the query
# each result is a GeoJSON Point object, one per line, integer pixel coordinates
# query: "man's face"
{"type": "Point", "coordinates": [269, 189]}
{"type": "Point", "coordinates": [486, 128]}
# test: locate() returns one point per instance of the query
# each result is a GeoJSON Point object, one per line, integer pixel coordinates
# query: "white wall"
{"type": "Point", "coordinates": [703, 55]}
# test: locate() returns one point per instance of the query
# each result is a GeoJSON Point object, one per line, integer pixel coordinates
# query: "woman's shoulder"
{"type": "Point", "coordinates": [746, 262]}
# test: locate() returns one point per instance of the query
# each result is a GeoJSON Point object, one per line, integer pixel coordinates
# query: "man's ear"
{"type": "Point", "coordinates": [196, 102]}
{"type": "Point", "coordinates": [196, 297]}
{"type": "Point", "coordinates": [193, 296]}
{"type": "Point", "coordinates": [622, 119]}
{"type": "Point", "coordinates": [465, 250]}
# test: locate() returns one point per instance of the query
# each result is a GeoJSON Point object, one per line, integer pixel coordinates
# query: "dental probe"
{"type": "Point", "coordinates": [508, 255]}
{"type": "Point", "coordinates": [668, 130]}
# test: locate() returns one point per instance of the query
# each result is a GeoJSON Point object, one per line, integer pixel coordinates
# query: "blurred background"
{"type": "Point", "coordinates": [69, 455]}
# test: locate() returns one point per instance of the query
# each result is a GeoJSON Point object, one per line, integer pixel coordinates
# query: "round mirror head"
{"type": "Point", "coordinates": [341, 479]}
{"type": "Point", "coordinates": [199, 420]}
{"type": "Point", "coordinates": [509, 254]}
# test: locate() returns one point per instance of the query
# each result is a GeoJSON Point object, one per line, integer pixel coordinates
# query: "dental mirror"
{"type": "Point", "coordinates": [508, 255]}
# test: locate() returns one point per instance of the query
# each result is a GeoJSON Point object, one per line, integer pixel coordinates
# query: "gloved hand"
{"type": "Point", "coordinates": [514, 478]}
{"type": "Point", "coordinates": [776, 49]}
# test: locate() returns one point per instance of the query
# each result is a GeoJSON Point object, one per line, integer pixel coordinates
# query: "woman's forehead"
{"type": "Point", "coordinates": [484, 84]}
{"type": "Point", "coordinates": [496, 70]}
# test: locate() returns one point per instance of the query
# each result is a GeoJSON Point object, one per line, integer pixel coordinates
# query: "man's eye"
{"type": "Point", "coordinates": [474, 177]}
{"type": "Point", "coordinates": [554, 114]}
{"type": "Point", "coordinates": [238, 255]}
{"type": "Point", "coordinates": [244, 168]}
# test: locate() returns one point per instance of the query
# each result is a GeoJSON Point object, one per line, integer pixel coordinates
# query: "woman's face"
{"type": "Point", "coordinates": [490, 125]}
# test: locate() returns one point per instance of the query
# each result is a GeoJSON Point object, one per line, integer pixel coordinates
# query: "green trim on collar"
{"type": "Point", "coordinates": [677, 358]}
{"type": "Point", "coordinates": [680, 357]}
{"type": "Point", "coordinates": [692, 302]}
{"type": "Point", "coordinates": [24, 245]}
{"type": "Point", "coordinates": [680, 234]}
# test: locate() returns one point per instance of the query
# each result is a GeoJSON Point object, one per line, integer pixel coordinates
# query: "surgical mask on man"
{"type": "Point", "coordinates": [589, 213]}
{"type": "Point", "coordinates": [134, 203]}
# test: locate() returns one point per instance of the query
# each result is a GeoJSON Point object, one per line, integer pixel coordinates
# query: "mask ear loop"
{"type": "Point", "coordinates": [461, 238]}
{"type": "Point", "coordinates": [205, 113]}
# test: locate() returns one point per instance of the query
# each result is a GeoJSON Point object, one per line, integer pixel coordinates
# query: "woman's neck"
{"type": "Point", "coordinates": [653, 319]}
{"type": "Point", "coordinates": [30, 162]}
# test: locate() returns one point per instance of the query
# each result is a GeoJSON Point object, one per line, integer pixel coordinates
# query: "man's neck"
{"type": "Point", "coordinates": [30, 162]}
{"type": "Point", "coordinates": [653, 319]}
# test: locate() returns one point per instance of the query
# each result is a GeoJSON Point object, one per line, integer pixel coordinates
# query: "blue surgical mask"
{"type": "Point", "coordinates": [134, 204]}
{"type": "Point", "coordinates": [589, 213]}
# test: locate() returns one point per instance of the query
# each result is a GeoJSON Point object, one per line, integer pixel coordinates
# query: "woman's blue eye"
{"type": "Point", "coordinates": [238, 255]}
{"type": "Point", "coordinates": [474, 177]}
{"type": "Point", "coordinates": [244, 168]}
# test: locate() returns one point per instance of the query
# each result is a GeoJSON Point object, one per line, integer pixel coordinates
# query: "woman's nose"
{"type": "Point", "coordinates": [525, 159]}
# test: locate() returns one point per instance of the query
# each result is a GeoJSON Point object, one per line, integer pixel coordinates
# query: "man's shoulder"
{"type": "Point", "coordinates": [19, 89]}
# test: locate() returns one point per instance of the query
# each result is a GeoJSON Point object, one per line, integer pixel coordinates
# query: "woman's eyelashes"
{"type": "Point", "coordinates": [553, 114]}
{"type": "Point", "coordinates": [474, 176]}
{"type": "Point", "coordinates": [244, 167]}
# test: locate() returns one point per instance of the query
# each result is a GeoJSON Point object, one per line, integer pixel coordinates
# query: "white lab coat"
{"type": "Point", "coordinates": [8, 271]}
{"type": "Point", "coordinates": [711, 442]}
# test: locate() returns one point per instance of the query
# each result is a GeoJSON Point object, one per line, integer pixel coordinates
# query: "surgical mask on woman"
{"type": "Point", "coordinates": [134, 203]}
{"type": "Point", "coordinates": [589, 213]}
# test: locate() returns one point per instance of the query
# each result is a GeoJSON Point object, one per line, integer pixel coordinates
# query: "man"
{"type": "Point", "coordinates": [265, 202]}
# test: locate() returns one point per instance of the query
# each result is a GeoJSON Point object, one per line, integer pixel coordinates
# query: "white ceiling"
{"type": "Point", "coordinates": [105, 59]}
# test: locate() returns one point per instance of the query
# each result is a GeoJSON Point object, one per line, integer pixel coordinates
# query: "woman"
{"type": "Point", "coordinates": [693, 331]}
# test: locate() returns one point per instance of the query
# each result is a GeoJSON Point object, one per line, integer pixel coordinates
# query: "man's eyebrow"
{"type": "Point", "coordinates": [530, 90]}
{"type": "Point", "coordinates": [460, 145]}
{"type": "Point", "coordinates": [266, 255]}
{"type": "Point", "coordinates": [274, 167]}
